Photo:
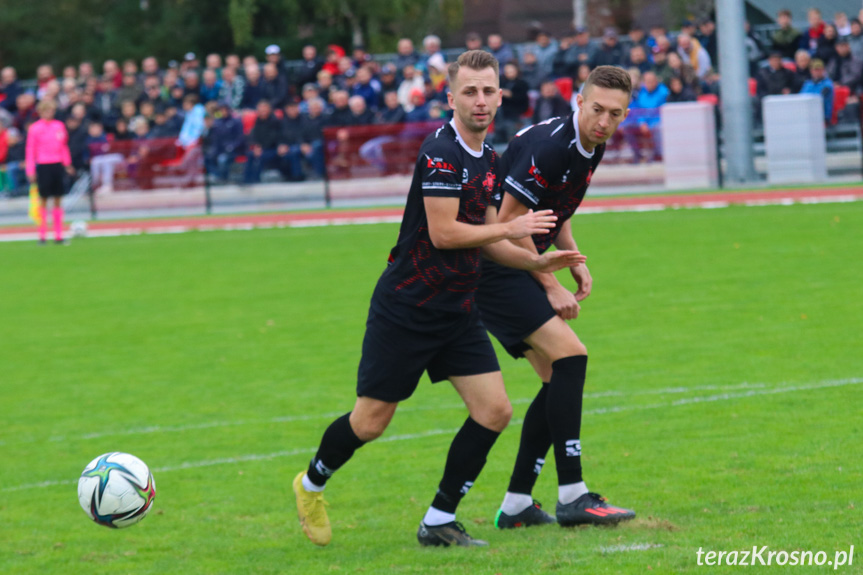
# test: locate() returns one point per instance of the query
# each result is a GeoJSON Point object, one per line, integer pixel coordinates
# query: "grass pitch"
{"type": "Point", "coordinates": [723, 399]}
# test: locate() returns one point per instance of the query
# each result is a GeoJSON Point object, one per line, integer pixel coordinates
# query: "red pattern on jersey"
{"type": "Point", "coordinates": [454, 271]}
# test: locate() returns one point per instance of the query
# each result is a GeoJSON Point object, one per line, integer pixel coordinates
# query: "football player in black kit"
{"type": "Point", "coordinates": [423, 316]}
{"type": "Point", "coordinates": [549, 166]}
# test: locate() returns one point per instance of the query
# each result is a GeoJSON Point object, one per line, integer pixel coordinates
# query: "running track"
{"type": "Point", "coordinates": [388, 215]}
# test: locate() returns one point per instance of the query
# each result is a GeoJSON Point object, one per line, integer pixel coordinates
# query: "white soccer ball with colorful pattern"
{"type": "Point", "coordinates": [116, 490]}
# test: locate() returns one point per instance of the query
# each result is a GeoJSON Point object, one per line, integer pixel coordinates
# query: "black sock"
{"type": "Point", "coordinates": [535, 441]}
{"type": "Point", "coordinates": [565, 395]}
{"type": "Point", "coordinates": [337, 447]}
{"type": "Point", "coordinates": [467, 455]}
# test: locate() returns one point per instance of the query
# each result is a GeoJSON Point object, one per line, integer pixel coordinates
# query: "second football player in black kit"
{"type": "Point", "coordinates": [423, 315]}
{"type": "Point", "coordinates": [549, 166]}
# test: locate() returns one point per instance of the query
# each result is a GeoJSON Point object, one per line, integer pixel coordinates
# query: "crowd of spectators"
{"type": "Point", "coordinates": [271, 114]}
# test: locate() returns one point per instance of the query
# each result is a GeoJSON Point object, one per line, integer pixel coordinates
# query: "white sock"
{"type": "Point", "coordinates": [569, 493]}
{"type": "Point", "coordinates": [515, 503]}
{"type": "Point", "coordinates": [309, 486]}
{"type": "Point", "coordinates": [435, 517]}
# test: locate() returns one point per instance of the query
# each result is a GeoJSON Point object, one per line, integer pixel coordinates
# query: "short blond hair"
{"type": "Point", "coordinates": [475, 60]}
{"type": "Point", "coordinates": [45, 105]}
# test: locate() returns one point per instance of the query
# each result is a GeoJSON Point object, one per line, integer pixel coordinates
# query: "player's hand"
{"type": "Point", "coordinates": [584, 280]}
{"type": "Point", "coordinates": [31, 179]}
{"type": "Point", "coordinates": [557, 260]}
{"type": "Point", "coordinates": [563, 302]}
{"type": "Point", "coordinates": [70, 170]}
{"type": "Point", "coordinates": [531, 223]}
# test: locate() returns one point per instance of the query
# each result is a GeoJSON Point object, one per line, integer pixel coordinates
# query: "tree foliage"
{"type": "Point", "coordinates": [62, 32]}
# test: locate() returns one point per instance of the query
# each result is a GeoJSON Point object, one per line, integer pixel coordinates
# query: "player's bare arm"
{"type": "Point", "coordinates": [513, 255]}
{"type": "Point", "coordinates": [447, 233]}
{"type": "Point", "coordinates": [561, 299]}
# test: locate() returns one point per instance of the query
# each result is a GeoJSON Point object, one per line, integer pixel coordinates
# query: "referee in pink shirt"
{"type": "Point", "coordinates": [46, 158]}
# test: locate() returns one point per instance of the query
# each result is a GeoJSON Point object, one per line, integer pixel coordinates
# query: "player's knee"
{"type": "Point", "coordinates": [371, 429]}
{"type": "Point", "coordinates": [498, 415]}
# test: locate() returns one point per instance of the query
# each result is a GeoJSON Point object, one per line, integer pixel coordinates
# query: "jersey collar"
{"type": "Point", "coordinates": [467, 148]}
{"type": "Point", "coordinates": [577, 139]}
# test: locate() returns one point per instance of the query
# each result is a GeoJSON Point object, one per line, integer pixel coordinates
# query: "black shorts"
{"type": "Point", "coordinates": [513, 305]}
{"type": "Point", "coordinates": [403, 341]}
{"type": "Point", "coordinates": [50, 178]}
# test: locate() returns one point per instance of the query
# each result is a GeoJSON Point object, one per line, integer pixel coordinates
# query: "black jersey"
{"type": "Point", "coordinates": [545, 167]}
{"type": "Point", "coordinates": [418, 273]}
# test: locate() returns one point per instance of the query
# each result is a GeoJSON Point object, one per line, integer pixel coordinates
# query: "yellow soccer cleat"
{"type": "Point", "coordinates": [312, 514]}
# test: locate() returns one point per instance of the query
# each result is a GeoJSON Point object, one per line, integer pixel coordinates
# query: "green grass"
{"type": "Point", "coordinates": [723, 399]}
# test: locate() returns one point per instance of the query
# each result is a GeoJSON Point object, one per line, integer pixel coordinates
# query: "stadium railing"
{"type": "Point", "coordinates": [145, 164]}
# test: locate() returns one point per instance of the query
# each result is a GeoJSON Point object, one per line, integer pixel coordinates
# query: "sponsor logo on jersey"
{"type": "Point", "coordinates": [537, 175]}
{"type": "Point", "coordinates": [438, 165]}
{"type": "Point", "coordinates": [589, 175]}
{"type": "Point", "coordinates": [465, 177]}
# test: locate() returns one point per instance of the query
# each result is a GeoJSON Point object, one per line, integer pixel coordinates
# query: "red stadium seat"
{"type": "Point", "coordinates": [179, 152]}
{"type": "Point", "coordinates": [753, 86]}
{"type": "Point", "coordinates": [709, 99]}
{"type": "Point", "coordinates": [789, 65]}
{"type": "Point", "coordinates": [840, 99]}
{"type": "Point", "coordinates": [564, 85]}
{"type": "Point", "coordinates": [249, 117]}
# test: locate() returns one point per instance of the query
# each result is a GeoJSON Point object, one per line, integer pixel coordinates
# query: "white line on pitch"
{"type": "Point", "coordinates": [410, 408]}
{"type": "Point", "coordinates": [359, 220]}
{"type": "Point", "coordinates": [435, 432]}
{"type": "Point", "coordinates": [631, 547]}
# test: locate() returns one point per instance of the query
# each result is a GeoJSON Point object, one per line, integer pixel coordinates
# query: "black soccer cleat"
{"type": "Point", "coordinates": [533, 515]}
{"type": "Point", "coordinates": [452, 533]}
{"type": "Point", "coordinates": [591, 508]}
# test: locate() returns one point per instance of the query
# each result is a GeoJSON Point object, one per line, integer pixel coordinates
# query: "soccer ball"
{"type": "Point", "coordinates": [116, 490]}
{"type": "Point", "coordinates": [79, 229]}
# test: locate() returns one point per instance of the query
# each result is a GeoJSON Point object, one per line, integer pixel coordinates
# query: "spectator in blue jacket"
{"type": "Point", "coordinates": [643, 130]}
{"type": "Point", "coordinates": [501, 51]}
{"type": "Point", "coordinates": [820, 84]}
{"type": "Point", "coordinates": [193, 121]}
{"type": "Point", "coordinates": [211, 86]}
{"type": "Point", "coordinates": [367, 87]}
